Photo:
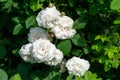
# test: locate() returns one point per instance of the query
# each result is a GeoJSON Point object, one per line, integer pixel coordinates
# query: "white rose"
{"type": "Point", "coordinates": [63, 32]}
{"type": "Point", "coordinates": [37, 33]}
{"type": "Point", "coordinates": [63, 28]}
{"type": "Point", "coordinates": [43, 50]}
{"type": "Point", "coordinates": [77, 66]}
{"type": "Point", "coordinates": [25, 53]}
{"type": "Point", "coordinates": [58, 56]}
{"type": "Point", "coordinates": [47, 17]}
{"type": "Point", "coordinates": [65, 21]}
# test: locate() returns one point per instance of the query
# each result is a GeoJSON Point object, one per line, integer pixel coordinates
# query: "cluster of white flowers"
{"type": "Point", "coordinates": [77, 66]}
{"type": "Point", "coordinates": [60, 25]}
{"type": "Point", "coordinates": [41, 50]}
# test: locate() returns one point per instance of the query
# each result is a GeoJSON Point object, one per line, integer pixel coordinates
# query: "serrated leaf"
{"type": "Point", "coordinates": [70, 77]}
{"type": "Point", "coordinates": [2, 52]}
{"type": "Point", "coordinates": [17, 29]}
{"type": "Point", "coordinates": [79, 24]}
{"type": "Point", "coordinates": [78, 40]}
{"type": "Point", "coordinates": [16, 77]}
{"type": "Point", "coordinates": [115, 4]}
{"type": "Point", "coordinates": [30, 21]}
{"type": "Point", "coordinates": [3, 75]}
{"type": "Point", "coordinates": [65, 46]}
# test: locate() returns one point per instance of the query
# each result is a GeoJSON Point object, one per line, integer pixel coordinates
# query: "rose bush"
{"type": "Point", "coordinates": [59, 40]}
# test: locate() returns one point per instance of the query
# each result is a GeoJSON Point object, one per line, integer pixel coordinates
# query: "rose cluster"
{"type": "Point", "coordinates": [41, 50]}
{"type": "Point", "coordinates": [59, 24]}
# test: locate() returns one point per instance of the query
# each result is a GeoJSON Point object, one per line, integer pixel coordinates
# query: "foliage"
{"type": "Point", "coordinates": [97, 39]}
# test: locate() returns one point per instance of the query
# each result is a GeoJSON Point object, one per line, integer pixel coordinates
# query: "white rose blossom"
{"type": "Point", "coordinates": [57, 59]}
{"type": "Point", "coordinates": [47, 17]}
{"type": "Point", "coordinates": [44, 51]}
{"type": "Point", "coordinates": [25, 53]}
{"type": "Point", "coordinates": [63, 28]}
{"type": "Point", "coordinates": [37, 33]}
{"type": "Point", "coordinates": [77, 66]}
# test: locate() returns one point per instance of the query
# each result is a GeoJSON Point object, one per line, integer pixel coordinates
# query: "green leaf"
{"type": "Point", "coordinates": [79, 24]}
{"type": "Point", "coordinates": [110, 54]}
{"type": "Point", "coordinates": [78, 40]}
{"type": "Point", "coordinates": [3, 75]}
{"type": "Point", "coordinates": [94, 9]}
{"type": "Point", "coordinates": [15, 52]}
{"type": "Point", "coordinates": [86, 50]}
{"type": "Point", "coordinates": [70, 77]}
{"type": "Point", "coordinates": [35, 5]}
{"type": "Point", "coordinates": [106, 67]}
{"type": "Point", "coordinates": [17, 29]}
{"type": "Point", "coordinates": [115, 4]}
{"type": "Point", "coordinates": [76, 52]}
{"type": "Point", "coordinates": [81, 11]}
{"type": "Point", "coordinates": [3, 0]}
{"type": "Point", "coordinates": [91, 76]}
{"type": "Point", "coordinates": [16, 77]}
{"type": "Point", "coordinates": [30, 21]}
{"type": "Point", "coordinates": [52, 75]}
{"type": "Point", "coordinates": [98, 37]}
{"type": "Point", "coordinates": [117, 21]}
{"type": "Point", "coordinates": [2, 52]}
{"type": "Point", "coordinates": [65, 46]}
{"type": "Point", "coordinates": [23, 70]}
{"type": "Point", "coordinates": [78, 78]}
{"type": "Point", "coordinates": [8, 5]}
{"type": "Point", "coordinates": [16, 20]}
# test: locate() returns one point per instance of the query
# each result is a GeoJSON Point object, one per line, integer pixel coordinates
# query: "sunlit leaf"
{"type": "Point", "coordinates": [115, 4]}
{"type": "Point", "coordinates": [16, 77]}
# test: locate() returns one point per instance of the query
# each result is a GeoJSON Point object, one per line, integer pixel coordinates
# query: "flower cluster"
{"type": "Point", "coordinates": [59, 24]}
{"type": "Point", "coordinates": [41, 50]}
